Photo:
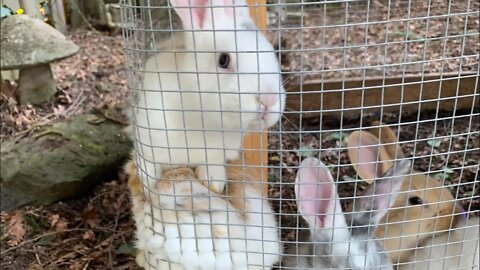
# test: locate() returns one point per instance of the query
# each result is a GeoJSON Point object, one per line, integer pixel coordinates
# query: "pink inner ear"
{"type": "Point", "coordinates": [200, 11]}
{"type": "Point", "coordinates": [229, 10]}
{"type": "Point", "coordinates": [191, 12]}
{"type": "Point", "coordinates": [366, 155]}
{"type": "Point", "coordinates": [367, 161]}
{"type": "Point", "coordinates": [314, 194]}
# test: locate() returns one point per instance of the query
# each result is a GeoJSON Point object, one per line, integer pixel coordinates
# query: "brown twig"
{"type": "Point", "coordinates": [41, 122]}
{"type": "Point", "coordinates": [36, 256]}
{"type": "Point", "coordinates": [38, 238]}
{"type": "Point", "coordinates": [79, 100]}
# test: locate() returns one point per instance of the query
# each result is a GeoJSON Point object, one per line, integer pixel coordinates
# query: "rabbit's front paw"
{"type": "Point", "coordinates": [140, 258]}
{"type": "Point", "coordinates": [212, 176]}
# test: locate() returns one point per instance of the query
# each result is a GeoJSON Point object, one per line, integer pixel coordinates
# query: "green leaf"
{"type": "Point", "coordinates": [441, 176]}
{"type": "Point", "coordinates": [331, 168]}
{"type": "Point", "coordinates": [46, 240]}
{"type": "Point", "coordinates": [273, 178]}
{"type": "Point", "coordinates": [349, 178]}
{"type": "Point", "coordinates": [33, 223]}
{"type": "Point", "coordinates": [434, 142]}
{"type": "Point", "coordinates": [126, 248]}
{"type": "Point", "coordinates": [447, 170]}
{"type": "Point", "coordinates": [306, 151]}
{"type": "Point", "coordinates": [338, 136]}
{"type": "Point", "coordinates": [468, 193]}
{"type": "Point", "coordinates": [275, 158]}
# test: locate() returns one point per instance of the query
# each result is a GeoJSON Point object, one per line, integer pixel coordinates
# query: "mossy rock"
{"type": "Point", "coordinates": [62, 161]}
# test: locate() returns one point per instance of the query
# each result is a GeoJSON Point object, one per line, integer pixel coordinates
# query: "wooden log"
{"type": "Point", "coordinates": [410, 94]}
{"type": "Point", "coordinates": [256, 144]}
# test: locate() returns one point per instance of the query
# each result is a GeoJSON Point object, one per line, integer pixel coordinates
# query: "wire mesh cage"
{"type": "Point", "coordinates": [304, 134]}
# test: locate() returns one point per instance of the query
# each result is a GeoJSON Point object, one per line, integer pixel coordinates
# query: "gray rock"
{"type": "Point", "coordinates": [31, 45]}
{"type": "Point", "coordinates": [29, 42]}
{"type": "Point", "coordinates": [36, 84]}
{"type": "Point", "coordinates": [63, 161]}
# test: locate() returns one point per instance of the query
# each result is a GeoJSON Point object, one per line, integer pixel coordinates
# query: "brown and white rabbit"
{"type": "Point", "coordinates": [423, 206]}
{"type": "Point", "coordinates": [458, 248]}
{"type": "Point", "coordinates": [188, 226]}
{"type": "Point", "coordinates": [203, 89]}
{"type": "Point", "coordinates": [337, 240]}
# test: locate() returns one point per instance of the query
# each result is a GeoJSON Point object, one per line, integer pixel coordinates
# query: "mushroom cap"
{"type": "Point", "coordinates": [28, 42]}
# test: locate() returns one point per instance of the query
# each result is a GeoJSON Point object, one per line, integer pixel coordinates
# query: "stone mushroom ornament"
{"type": "Point", "coordinates": [30, 45]}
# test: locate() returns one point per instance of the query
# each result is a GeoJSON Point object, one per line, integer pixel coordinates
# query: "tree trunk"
{"type": "Point", "coordinates": [58, 14]}
{"type": "Point", "coordinates": [76, 13]}
{"type": "Point", "coordinates": [31, 8]}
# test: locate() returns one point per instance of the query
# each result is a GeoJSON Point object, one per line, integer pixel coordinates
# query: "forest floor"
{"type": "Point", "coordinates": [95, 231]}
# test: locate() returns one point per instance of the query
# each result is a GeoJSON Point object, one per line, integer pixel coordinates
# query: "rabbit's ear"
{"type": "Point", "coordinates": [387, 137]}
{"type": "Point", "coordinates": [369, 159]}
{"type": "Point", "coordinates": [379, 196]}
{"type": "Point", "coordinates": [236, 8]}
{"type": "Point", "coordinates": [193, 13]}
{"type": "Point", "coordinates": [206, 14]}
{"type": "Point", "coordinates": [317, 196]}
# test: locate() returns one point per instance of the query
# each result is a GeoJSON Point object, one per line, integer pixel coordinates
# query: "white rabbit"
{"type": "Point", "coordinates": [455, 249]}
{"type": "Point", "coordinates": [191, 227]}
{"type": "Point", "coordinates": [337, 240]}
{"type": "Point", "coordinates": [204, 89]}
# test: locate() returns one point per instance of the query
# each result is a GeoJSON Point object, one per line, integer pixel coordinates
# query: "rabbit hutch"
{"type": "Point", "coordinates": [278, 134]}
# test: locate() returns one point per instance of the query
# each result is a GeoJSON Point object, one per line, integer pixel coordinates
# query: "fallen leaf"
{"type": "Point", "coordinates": [57, 222]}
{"type": "Point", "coordinates": [7, 90]}
{"type": "Point", "coordinates": [77, 265]}
{"type": "Point", "coordinates": [89, 235]}
{"type": "Point", "coordinates": [59, 110]}
{"type": "Point", "coordinates": [53, 219]}
{"type": "Point", "coordinates": [91, 217]}
{"type": "Point", "coordinates": [16, 228]}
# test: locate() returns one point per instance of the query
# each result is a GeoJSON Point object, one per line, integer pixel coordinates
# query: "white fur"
{"type": "Point", "coordinates": [185, 116]}
{"type": "Point", "coordinates": [457, 249]}
{"type": "Point", "coordinates": [249, 242]}
{"type": "Point", "coordinates": [329, 234]}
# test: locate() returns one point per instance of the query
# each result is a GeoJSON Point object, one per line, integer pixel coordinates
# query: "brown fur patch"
{"type": "Point", "coordinates": [243, 178]}
{"type": "Point", "coordinates": [134, 183]}
{"type": "Point", "coordinates": [218, 232]}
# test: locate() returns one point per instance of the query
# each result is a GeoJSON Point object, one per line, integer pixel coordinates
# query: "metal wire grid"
{"type": "Point", "coordinates": [144, 27]}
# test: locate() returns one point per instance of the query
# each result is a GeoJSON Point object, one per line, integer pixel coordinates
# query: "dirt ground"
{"type": "Point", "coordinates": [377, 38]}
{"type": "Point", "coordinates": [458, 171]}
{"type": "Point", "coordinates": [96, 230]}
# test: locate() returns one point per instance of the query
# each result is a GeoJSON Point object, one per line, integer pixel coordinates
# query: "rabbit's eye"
{"type": "Point", "coordinates": [415, 200]}
{"type": "Point", "coordinates": [224, 60]}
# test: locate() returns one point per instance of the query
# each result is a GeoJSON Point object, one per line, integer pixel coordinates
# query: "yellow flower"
{"type": "Point", "coordinates": [20, 11]}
